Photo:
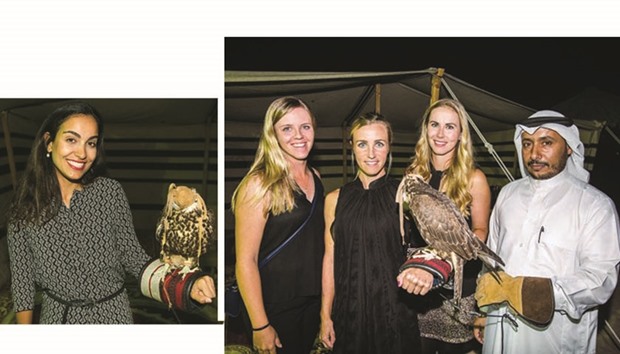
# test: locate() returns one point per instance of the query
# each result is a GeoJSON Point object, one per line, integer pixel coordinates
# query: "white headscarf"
{"type": "Point", "coordinates": [561, 125]}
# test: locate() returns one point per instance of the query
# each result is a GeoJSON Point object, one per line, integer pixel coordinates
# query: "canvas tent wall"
{"type": "Point", "coordinates": [336, 98]}
{"type": "Point", "coordinates": [594, 104]}
{"type": "Point", "coordinates": [149, 144]}
{"type": "Point", "coordinates": [597, 105]}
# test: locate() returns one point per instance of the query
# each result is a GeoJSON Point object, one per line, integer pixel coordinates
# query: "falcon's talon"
{"type": "Point", "coordinates": [187, 270]}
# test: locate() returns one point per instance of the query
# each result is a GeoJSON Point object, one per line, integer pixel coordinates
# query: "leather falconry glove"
{"type": "Point", "coordinates": [531, 297]}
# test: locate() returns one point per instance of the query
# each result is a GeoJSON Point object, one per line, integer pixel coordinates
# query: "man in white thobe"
{"type": "Point", "coordinates": [559, 238]}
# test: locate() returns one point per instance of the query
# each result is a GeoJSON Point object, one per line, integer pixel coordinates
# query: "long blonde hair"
{"type": "Point", "coordinates": [270, 166]}
{"type": "Point", "coordinates": [457, 177]}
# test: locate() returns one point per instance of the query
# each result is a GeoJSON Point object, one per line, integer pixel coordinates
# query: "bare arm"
{"type": "Point", "coordinates": [480, 214]}
{"type": "Point", "coordinates": [249, 226]}
{"type": "Point", "coordinates": [328, 335]}
{"type": "Point", "coordinates": [480, 205]}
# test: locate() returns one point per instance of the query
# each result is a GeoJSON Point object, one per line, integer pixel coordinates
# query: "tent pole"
{"type": "Point", "coordinates": [378, 98]}
{"type": "Point", "coordinates": [613, 135]}
{"type": "Point", "coordinates": [436, 85]}
{"type": "Point", "coordinates": [4, 116]}
{"type": "Point", "coordinates": [612, 334]}
{"type": "Point", "coordinates": [487, 145]}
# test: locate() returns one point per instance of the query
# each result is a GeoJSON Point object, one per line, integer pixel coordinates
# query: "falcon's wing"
{"type": "Point", "coordinates": [442, 225]}
{"type": "Point", "coordinates": [159, 230]}
{"type": "Point", "coordinates": [208, 234]}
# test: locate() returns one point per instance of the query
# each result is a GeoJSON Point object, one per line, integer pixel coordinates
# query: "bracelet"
{"type": "Point", "coordinates": [261, 328]}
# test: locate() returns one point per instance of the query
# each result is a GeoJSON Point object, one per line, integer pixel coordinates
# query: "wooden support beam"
{"type": "Point", "coordinates": [378, 98]}
{"type": "Point", "coordinates": [4, 116]}
{"type": "Point", "coordinates": [436, 85]}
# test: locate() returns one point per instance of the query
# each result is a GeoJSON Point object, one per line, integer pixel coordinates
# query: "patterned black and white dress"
{"type": "Point", "coordinates": [83, 253]}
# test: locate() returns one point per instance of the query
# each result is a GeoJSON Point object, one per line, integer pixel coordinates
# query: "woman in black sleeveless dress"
{"type": "Point", "coordinates": [363, 308]}
{"type": "Point", "coordinates": [282, 299]}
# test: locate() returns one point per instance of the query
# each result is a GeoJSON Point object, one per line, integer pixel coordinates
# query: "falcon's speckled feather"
{"type": "Point", "coordinates": [444, 228]}
{"type": "Point", "coordinates": [185, 228]}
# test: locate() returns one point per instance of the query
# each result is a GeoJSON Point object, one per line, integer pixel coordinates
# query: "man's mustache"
{"type": "Point", "coordinates": [537, 162]}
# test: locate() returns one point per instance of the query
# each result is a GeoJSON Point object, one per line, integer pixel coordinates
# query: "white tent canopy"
{"type": "Point", "coordinates": [337, 98]}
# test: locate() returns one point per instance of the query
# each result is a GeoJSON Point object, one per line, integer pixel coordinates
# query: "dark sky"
{"type": "Point", "coordinates": [538, 72]}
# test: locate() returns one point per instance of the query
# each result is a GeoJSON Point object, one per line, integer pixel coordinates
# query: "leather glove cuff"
{"type": "Point", "coordinates": [170, 287]}
{"type": "Point", "coordinates": [537, 300]}
{"type": "Point", "coordinates": [531, 297]}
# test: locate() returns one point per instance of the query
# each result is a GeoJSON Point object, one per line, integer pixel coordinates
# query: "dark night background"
{"type": "Point", "coordinates": [538, 72]}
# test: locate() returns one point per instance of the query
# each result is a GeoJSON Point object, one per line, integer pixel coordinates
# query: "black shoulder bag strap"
{"type": "Point", "coordinates": [290, 238]}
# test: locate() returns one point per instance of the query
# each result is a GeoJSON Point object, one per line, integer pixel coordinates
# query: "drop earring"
{"type": "Point", "coordinates": [47, 155]}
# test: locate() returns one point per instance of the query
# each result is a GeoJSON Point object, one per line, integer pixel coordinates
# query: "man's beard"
{"type": "Point", "coordinates": [554, 169]}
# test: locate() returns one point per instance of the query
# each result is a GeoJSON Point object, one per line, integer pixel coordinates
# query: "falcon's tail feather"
{"type": "Point", "coordinates": [492, 260]}
{"type": "Point", "coordinates": [488, 256]}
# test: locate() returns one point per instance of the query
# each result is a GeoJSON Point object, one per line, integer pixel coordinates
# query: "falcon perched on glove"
{"type": "Point", "coordinates": [184, 229]}
{"type": "Point", "coordinates": [443, 227]}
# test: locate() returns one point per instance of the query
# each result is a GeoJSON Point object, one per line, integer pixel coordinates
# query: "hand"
{"type": "Point", "coordinates": [327, 333]}
{"type": "Point", "coordinates": [415, 281]}
{"type": "Point", "coordinates": [266, 340]}
{"type": "Point", "coordinates": [203, 290]}
{"type": "Point", "coordinates": [428, 260]}
{"type": "Point", "coordinates": [24, 317]}
{"type": "Point", "coordinates": [479, 324]}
